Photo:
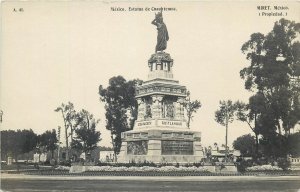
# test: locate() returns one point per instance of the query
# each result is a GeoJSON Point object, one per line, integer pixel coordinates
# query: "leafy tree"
{"type": "Point", "coordinates": [121, 107]}
{"type": "Point", "coordinates": [69, 117]}
{"type": "Point", "coordinates": [225, 115]}
{"type": "Point", "coordinates": [17, 142]}
{"type": "Point", "coordinates": [249, 113]}
{"type": "Point", "coordinates": [86, 135]}
{"type": "Point", "coordinates": [48, 140]}
{"type": "Point", "coordinates": [191, 108]}
{"type": "Point", "coordinates": [28, 140]}
{"type": "Point", "coordinates": [274, 69]}
{"type": "Point", "coordinates": [294, 144]}
{"type": "Point", "coordinates": [245, 144]}
{"type": "Point", "coordinates": [10, 146]}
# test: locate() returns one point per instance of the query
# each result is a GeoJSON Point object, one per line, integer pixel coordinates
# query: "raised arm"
{"type": "Point", "coordinates": [154, 22]}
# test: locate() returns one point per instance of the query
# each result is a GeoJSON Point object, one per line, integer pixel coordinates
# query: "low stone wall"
{"type": "Point", "coordinates": [173, 159]}
{"type": "Point", "coordinates": [78, 169]}
{"type": "Point", "coordinates": [122, 173]}
{"type": "Point", "coordinates": [210, 168]}
{"type": "Point", "coordinates": [226, 169]}
{"type": "Point", "coordinates": [221, 169]}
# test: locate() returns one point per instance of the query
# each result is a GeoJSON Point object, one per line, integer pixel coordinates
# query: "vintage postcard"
{"type": "Point", "coordinates": [95, 94]}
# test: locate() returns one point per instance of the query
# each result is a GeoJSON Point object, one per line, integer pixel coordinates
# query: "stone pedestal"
{"type": "Point", "coordinates": [161, 146]}
{"type": "Point", "coordinates": [160, 133]}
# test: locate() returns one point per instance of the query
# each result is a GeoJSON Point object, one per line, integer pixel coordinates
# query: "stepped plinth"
{"type": "Point", "coordinates": [160, 133]}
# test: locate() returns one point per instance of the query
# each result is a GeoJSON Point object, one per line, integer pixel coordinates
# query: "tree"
{"type": "Point", "coordinates": [69, 116]}
{"type": "Point", "coordinates": [249, 113]}
{"type": "Point", "coordinates": [28, 140]}
{"type": "Point", "coordinates": [191, 108]}
{"type": "Point", "coordinates": [17, 142]}
{"type": "Point", "coordinates": [86, 135]}
{"type": "Point", "coordinates": [11, 144]}
{"type": "Point", "coordinates": [225, 115]}
{"type": "Point", "coordinates": [294, 144]}
{"type": "Point", "coordinates": [121, 107]}
{"type": "Point", "coordinates": [274, 66]}
{"type": "Point", "coordinates": [49, 140]}
{"type": "Point", "coordinates": [245, 144]}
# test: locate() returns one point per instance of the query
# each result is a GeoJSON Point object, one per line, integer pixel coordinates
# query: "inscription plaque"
{"type": "Point", "coordinates": [177, 148]}
{"type": "Point", "coordinates": [169, 123]}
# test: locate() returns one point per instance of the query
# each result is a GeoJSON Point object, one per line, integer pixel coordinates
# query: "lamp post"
{"type": "Point", "coordinates": [58, 148]}
{"type": "Point", "coordinates": [66, 131]}
{"type": "Point", "coordinates": [226, 136]}
{"type": "Point", "coordinates": [1, 114]}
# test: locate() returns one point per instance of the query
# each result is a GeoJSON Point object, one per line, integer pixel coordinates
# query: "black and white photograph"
{"type": "Point", "coordinates": [150, 96]}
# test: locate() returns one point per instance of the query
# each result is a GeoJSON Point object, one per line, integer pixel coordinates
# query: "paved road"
{"type": "Point", "coordinates": [144, 184]}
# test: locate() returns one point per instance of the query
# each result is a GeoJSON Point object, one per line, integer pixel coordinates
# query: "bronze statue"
{"type": "Point", "coordinates": [162, 32]}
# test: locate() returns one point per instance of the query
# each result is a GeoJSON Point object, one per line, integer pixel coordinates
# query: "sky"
{"type": "Point", "coordinates": [53, 52]}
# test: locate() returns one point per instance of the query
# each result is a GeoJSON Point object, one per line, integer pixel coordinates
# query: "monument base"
{"type": "Point", "coordinates": [160, 133]}
{"type": "Point", "coordinates": [161, 146]}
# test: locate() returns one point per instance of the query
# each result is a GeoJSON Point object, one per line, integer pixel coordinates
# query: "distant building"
{"type": "Point", "coordinates": [37, 158]}
{"type": "Point", "coordinates": [106, 156]}
{"type": "Point", "coordinates": [295, 163]}
{"type": "Point", "coordinates": [219, 153]}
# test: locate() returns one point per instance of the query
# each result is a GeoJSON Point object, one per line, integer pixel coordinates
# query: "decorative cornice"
{"type": "Point", "coordinates": [160, 80]}
{"type": "Point", "coordinates": [160, 57]}
{"type": "Point", "coordinates": [161, 89]}
{"type": "Point", "coordinates": [165, 85]}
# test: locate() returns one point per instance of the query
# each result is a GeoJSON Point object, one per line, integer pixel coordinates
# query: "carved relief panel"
{"type": "Point", "coordinates": [148, 108]}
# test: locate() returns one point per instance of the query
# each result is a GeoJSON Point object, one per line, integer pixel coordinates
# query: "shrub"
{"type": "Point", "coordinates": [65, 163]}
{"type": "Point", "coordinates": [263, 168]}
{"type": "Point", "coordinates": [147, 169]}
{"type": "Point", "coordinates": [241, 166]}
{"type": "Point", "coordinates": [198, 164]}
{"type": "Point", "coordinates": [283, 163]}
